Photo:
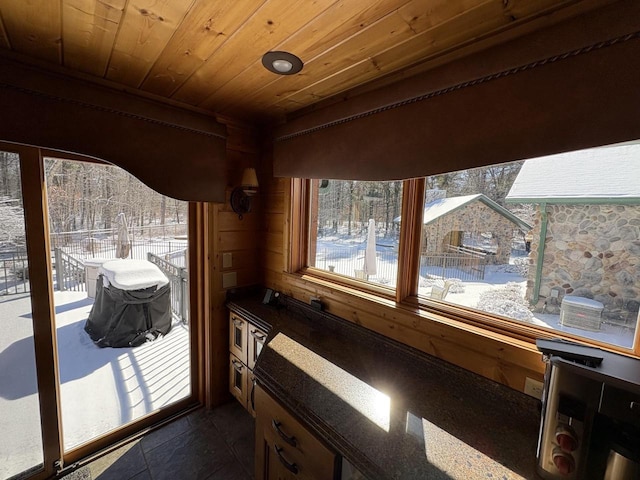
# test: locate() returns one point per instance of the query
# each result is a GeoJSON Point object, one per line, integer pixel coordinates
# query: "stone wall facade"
{"type": "Point", "coordinates": [590, 251]}
{"type": "Point", "coordinates": [475, 217]}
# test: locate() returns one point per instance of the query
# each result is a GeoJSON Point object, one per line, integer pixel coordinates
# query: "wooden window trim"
{"type": "Point", "coordinates": [410, 238]}
{"type": "Point", "coordinates": [44, 331]}
{"type": "Point", "coordinates": [405, 296]}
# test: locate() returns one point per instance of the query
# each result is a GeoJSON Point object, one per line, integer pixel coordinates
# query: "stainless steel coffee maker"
{"type": "Point", "coordinates": [623, 461]}
{"type": "Point", "coordinates": [590, 426]}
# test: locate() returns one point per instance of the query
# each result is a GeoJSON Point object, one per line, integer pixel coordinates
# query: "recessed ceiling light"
{"type": "Point", "coordinates": [282, 63]}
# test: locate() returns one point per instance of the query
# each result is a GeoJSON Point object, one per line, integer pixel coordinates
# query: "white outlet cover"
{"type": "Point", "coordinates": [229, 279]}
{"type": "Point", "coordinates": [533, 388]}
{"type": "Point", "coordinates": [227, 260]}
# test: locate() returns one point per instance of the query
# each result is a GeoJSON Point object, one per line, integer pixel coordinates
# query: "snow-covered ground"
{"type": "Point", "coordinates": [494, 293]}
{"type": "Point", "coordinates": [496, 276]}
{"type": "Point", "coordinates": [101, 388]}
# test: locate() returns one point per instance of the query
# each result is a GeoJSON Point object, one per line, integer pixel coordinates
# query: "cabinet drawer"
{"type": "Point", "coordinates": [284, 440]}
{"type": "Point", "coordinates": [238, 332]}
{"type": "Point", "coordinates": [621, 405]}
{"type": "Point", "coordinates": [238, 379]}
{"type": "Point", "coordinates": [256, 342]}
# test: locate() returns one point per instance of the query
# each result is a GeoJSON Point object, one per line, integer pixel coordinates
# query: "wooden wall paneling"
{"type": "Point", "coordinates": [89, 29]}
{"type": "Point", "coordinates": [41, 38]}
{"type": "Point", "coordinates": [219, 325]}
{"type": "Point", "coordinates": [273, 279]}
{"type": "Point", "coordinates": [4, 40]}
{"type": "Point", "coordinates": [274, 262]}
{"type": "Point", "coordinates": [147, 27]}
{"type": "Point", "coordinates": [277, 221]}
{"type": "Point", "coordinates": [229, 221]}
{"type": "Point", "coordinates": [242, 240]}
{"type": "Point", "coordinates": [242, 260]}
{"type": "Point", "coordinates": [273, 242]}
{"type": "Point", "coordinates": [240, 137]}
{"type": "Point", "coordinates": [273, 202]}
{"type": "Point", "coordinates": [229, 234]}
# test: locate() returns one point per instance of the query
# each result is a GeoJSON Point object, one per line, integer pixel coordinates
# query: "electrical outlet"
{"type": "Point", "coordinates": [533, 387]}
{"type": "Point", "coordinates": [227, 260]}
{"type": "Point", "coordinates": [229, 280]}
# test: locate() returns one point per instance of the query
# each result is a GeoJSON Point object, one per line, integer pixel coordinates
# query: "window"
{"type": "Point", "coordinates": [548, 245]}
{"type": "Point", "coordinates": [355, 229]}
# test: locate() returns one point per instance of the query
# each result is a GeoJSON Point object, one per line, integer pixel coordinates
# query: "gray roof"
{"type": "Point", "coordinates": [605, 174]}
{"type": "Point", "coordinates": [443, 206]}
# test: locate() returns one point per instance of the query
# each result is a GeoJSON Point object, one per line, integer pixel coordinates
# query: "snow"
{"type": "Point", "coordinates": [101, 388]}
{"type": "Point", "coordinates": [500, 292]}
{"type": "Point", "coordinates": [440, 207]}
{"type": "Point", "coordinates": [127, 274]}
{"type": "Point", "coordinates": [605, 172]}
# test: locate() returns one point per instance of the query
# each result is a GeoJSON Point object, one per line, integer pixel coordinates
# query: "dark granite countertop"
{"type": "Point", "coordinates": [393, 412]}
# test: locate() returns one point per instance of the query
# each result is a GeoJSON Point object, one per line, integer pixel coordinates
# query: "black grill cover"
{"type": "Point", "coordinates": [128, 318]}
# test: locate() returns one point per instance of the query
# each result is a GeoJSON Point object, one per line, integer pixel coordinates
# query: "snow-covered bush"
{"type": "Point", "coordinates": [507, 301]}
{"type": "Point", "coordinates": [12, 233]}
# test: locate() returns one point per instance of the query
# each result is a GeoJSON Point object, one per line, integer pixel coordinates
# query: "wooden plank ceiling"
{"type": "Point", "coordinates": [207, 54]}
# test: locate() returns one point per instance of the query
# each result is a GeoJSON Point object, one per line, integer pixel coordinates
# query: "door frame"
{"type": "Point", "coordinates": [44, 330]}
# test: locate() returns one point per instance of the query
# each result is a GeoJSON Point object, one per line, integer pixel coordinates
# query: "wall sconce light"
{"type": "Point", "coordinates": [241, 196]}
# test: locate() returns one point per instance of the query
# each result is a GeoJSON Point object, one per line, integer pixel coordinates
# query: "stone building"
{"type": "Point", "coordinates": [475, 219]}
{"type": "Point", "coordinates": [586, 234]}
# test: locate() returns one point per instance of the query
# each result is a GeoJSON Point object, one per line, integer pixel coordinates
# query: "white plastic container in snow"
{"type": "Point", "coordinates": [91, 268]}
{"type": "Point", "coordinates": [580, 312]}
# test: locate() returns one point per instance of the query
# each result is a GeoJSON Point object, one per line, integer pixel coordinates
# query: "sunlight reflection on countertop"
{"type": "Point", "coordinates": [393, 412]}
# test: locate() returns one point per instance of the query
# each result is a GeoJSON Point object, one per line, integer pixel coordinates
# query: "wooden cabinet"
{"type": "Point", "coordinates": [238, 341]}
{"type": "Point", "coordinates": [256, 341]}
{"type": "Point", "coordinates": [245, 344]}
{"type": "Point", "coordinates": [285, 449]}
{"type": "Point", "coordinates": [238, 379]}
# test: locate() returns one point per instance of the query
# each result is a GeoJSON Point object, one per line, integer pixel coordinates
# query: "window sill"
{"type": "Point", "coordinates": [430, 313]}
{"type": "Point", "coordinates": [341, 295]}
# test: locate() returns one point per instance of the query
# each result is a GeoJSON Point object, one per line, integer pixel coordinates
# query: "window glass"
{"type": "Point", "coordinates": [119, 253]}
{"type": "Point", "coordinates": [551, 241]}
{"type": "Point", "coordinates": [21, 448]}
{"type": "Point", "coordinates": [355, 229]}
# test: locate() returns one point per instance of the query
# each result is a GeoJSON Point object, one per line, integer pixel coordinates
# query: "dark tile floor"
{"type": "Point", "coordinates": [204, 445]}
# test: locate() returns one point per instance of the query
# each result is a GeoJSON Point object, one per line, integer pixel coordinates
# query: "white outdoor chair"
{"type": "Point", "coordinates": [440, 289]}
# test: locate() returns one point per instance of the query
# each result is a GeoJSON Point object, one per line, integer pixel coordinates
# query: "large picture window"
{"type": "Point", "coordinates": [546, 246]}
{"type": "Point", "coordinates": [355, 229]}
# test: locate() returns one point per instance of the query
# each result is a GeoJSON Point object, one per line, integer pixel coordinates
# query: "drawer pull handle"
{"type": "Point", "coordinates": [635, 407]}
{"type": "Point", "coordinates": [237, 365]}
{"type": "Point", "coordinates": [290, 440]}
{"type": "Point", "coordinates": [258, 336]}
{"type": "Point", "coordinates": [253, 395]}
{"type": "Point", "coordinates": [292, 467]}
